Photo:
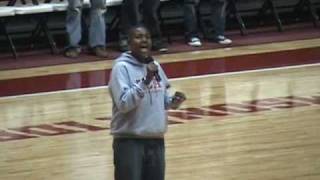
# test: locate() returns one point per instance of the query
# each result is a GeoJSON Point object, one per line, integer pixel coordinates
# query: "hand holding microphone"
{"type": "Point", "coordinates": [152, 71]}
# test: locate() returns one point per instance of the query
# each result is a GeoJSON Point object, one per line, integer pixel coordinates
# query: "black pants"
{"type": "Point", "coordinates": [139, 159]}
{"type": "Point", "coordinates": [218, 16]}
{"type": "Point", "coordinates": [134, 12]}
{"type": "Point", "coordinates": [190, 18]}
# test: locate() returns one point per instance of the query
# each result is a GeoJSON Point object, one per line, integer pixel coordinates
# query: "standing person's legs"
{"type": "Point", "coordinates": [190, 22]}
{"type": "Point", "coordinates": [151, 21]}
{"type": "Point", "coordinates": [139, 159]}
{"type": "Point", "coordinates": [218, 8]}
{"type": "Point", "coordinates": [128, 155]}
{"type": "Point", "coordinates": [218, 21]}
{"type": "Point", "coordinates": [130, 16]}
{"type": "Point", "coordinates": [154, 166]}
{"type": "Point", "coordinates": [97, 28]}
{"type": "Point", "coordinates": [73, 27]}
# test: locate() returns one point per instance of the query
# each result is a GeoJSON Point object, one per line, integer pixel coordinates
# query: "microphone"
{"type": "Point", "coordinates": [152, 66]}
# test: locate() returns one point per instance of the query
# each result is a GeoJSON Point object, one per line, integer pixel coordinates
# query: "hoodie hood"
{"type": "Point", "coordinates": [127, 57]}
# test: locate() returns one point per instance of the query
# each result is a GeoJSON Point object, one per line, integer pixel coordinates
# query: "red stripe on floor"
{"type": "Point", "coordinates": [179, 69]}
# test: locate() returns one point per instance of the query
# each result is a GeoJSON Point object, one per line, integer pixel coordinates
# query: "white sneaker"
{"type": "Point", "coordinates": [223, 40]}
{"type": "Point", "coordinates": [195, 42]}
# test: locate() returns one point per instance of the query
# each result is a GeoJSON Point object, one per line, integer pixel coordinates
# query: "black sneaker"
{"type": "Point", "coordinates": [223, 40]}
{"type": "Point", "coordinates": [195, 42]}
{"type": "Point", "coordinates": [158, 45]}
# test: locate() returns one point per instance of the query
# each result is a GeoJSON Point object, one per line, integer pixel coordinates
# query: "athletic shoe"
{"type": "Point", "coordinates": [195, 42]}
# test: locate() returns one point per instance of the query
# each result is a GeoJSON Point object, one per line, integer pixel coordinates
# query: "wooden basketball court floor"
{"type": "Point", "coordinates": [257, 119]}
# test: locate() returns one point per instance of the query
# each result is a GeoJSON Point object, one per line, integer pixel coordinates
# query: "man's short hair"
{"type": "Point", "coordinates": [133, 29]}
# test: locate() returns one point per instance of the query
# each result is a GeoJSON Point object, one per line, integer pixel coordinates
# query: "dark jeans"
{"type": "Point", "coordinates": [139, 159]}
{"type": "Point", "coordinates": [190, 18]}
{"type": "Point", "coordinates": [135, 12]}
{"type": "Point", "coordinates": [218, 16]}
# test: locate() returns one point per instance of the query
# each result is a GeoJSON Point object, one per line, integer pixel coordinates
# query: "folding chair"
{"type": "Point", "coordinates": [297, 9]}
{"type": "Point", "coordinates": [268, 5]}
{"type": "Point", "coordinates": [309, 4]}
{"type": "Point", "coordinates": [5, 13]}
{"type": "Point", "coordinates": [232, 10]}
{"type": "Point", "coordinates": [116, 6]}
{"type": "Point", "coordinates": [259, 10]}
{"type": "Point", "coordinates": [40, 13]}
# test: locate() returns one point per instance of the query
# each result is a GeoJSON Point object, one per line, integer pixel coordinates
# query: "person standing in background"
{"type": "Point", "coordinates": [97, 28]}
{"type": "Point", "coordinates": [218, 21]}
{"type": "Point", "coordinates": [139, 90]}
{"type": "Point", "coordinates": [191, 23]}
{"type": "Point", "coordinates": [134, 12]}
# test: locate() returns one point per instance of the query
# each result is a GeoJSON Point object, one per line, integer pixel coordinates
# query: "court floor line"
{"type": "Point", "coordinates": [165, 58]}
{"type": "Point", "coordinates": [173, 79]}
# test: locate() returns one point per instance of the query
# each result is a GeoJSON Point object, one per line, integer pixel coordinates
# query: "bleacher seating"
{"type": "Point", "coordinates": [42, 9]}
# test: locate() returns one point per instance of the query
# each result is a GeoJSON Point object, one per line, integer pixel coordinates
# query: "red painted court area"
{"type": "Point", "coordinates": [89, 79]}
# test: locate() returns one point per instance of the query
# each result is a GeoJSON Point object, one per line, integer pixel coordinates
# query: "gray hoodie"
{"type": "Point", "coordinates": [138, 110]}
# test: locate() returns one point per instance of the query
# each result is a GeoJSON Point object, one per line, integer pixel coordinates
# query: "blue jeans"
{"type": "Point", "coordinates": [97, 26]}
{"type": "Point", "coordinates": [139, 159]}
